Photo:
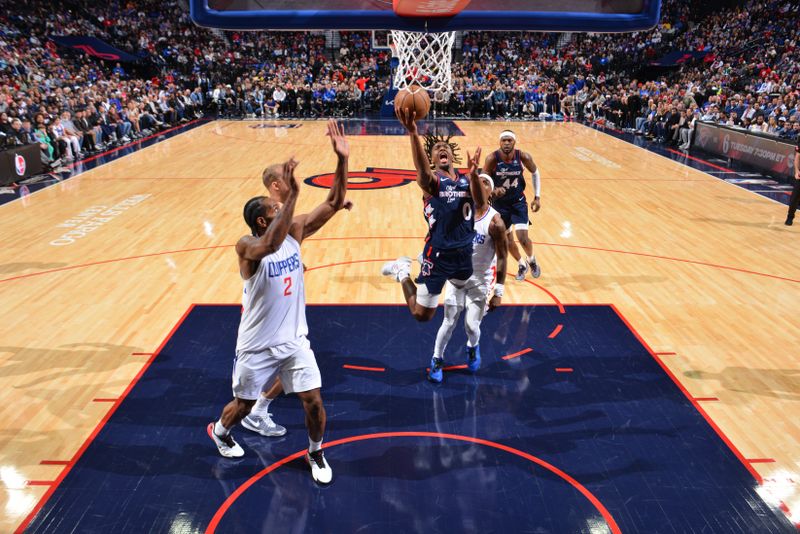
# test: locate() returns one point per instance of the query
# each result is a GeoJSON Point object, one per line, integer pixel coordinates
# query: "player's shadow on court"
{"type": "Point", "coordinates": [62, 361]}
{"type": "Point", "coordinates": [773, 225]}
{"type": "Point", "coordinates": [19, 267]}
{"type": "Point", "coordinates": [776, 383]}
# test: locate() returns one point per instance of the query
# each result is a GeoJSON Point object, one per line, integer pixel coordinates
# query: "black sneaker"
{"type": "Point", "coordinates": [536, 271]}
{"type": "Point", "coordinates": [523, 270]}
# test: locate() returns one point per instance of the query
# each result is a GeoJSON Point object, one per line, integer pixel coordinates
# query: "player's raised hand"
{"type": "Point", "coordinates": [474, 161]}
{"type": "Point", "coordinates": [288, 176]}
{"type": "Point", "coordinates": [408, 120]}
{"type": "Point", "coordinates": [340, 144]}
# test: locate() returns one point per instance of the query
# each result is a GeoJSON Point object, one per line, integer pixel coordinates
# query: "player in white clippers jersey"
{"type": "Point", "coordinates": [259, 420]}
{"type": "Point", "coordinates": [272, 333]}
{"type": "Point", "coordinates": [489, 254]}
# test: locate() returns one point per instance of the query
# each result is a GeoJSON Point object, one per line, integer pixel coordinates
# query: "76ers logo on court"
{"type": "Point", "coordinates": [372, 178]}
{"type": "Point", "coordinates": [19, 164]}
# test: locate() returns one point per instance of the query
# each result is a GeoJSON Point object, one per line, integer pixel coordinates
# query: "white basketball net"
{"type": "Point", "coordinates": [425, 60]}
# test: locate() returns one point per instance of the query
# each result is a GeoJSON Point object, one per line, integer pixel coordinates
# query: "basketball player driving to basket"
{"type": "Point", "coordinates": [272, 333]}
{"type": "Point", "coordinates": [453, 201]}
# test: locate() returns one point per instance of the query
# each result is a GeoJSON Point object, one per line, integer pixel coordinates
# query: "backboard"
{"type": "Point", "coordinates": [534, 15]}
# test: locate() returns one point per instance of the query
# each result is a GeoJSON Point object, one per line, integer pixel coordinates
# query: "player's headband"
{"type": "Point", "coordinates": [508, 133]}
{"type": "Point", "coordinates": [487, 178]}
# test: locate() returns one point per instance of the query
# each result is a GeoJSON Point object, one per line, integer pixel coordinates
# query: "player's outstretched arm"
{"type": "Point", "coordinates": [489, 166]}
{"type": "Point", "coordinates": [307, 224]}
{"type": "Point", "coordinates": [251, 248]}
{"type": "Point", "coordinates": [497, 229]}
{"type": "Point", "coordinates": [425, 177]}
{"type": "Point", "coordinates": [527, 161]}
{"type": "Point", "coordinates": [479, 195]}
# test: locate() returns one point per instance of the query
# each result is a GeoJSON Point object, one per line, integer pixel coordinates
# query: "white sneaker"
{"type": "Point", "coordinates": [397, 269]}
{"type": "Point", "coordinates": [321, 472]}
{"type": "Point", "coordinates": [263, 425]}
{"type": "Point", "coordinates": [227, 446]}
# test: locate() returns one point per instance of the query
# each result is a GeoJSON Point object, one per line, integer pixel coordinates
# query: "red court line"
{"type": "Point", "coordinates": [517, 354]}
{"type": "Point", "coordinates": [666, 353]}
{"type": "Point", "coordinates": [580, 247]}
{"type": "Point", "coordinates": [691, 399]}
{"type": "Point", "coordinates": [669, 258]}
{"type": "Point", "coordinates": [114, 260]}
{"type": "Point", "coordinates": [555, 299]}
{"type": "Point", "coordinates": [138, 141]}
{"type": "Point", "coordinates": [704, 162]}
{"type": "Point", "coordinates": [761, 460]}
{"type": "Point", "coordinates": [105, 400]}
{"type": "Point", "coordinates": [564, 369]}
{"type": "Point", "coordinates": [555, 332]}
{"type": "Point", "coordinates": [342, 263]}
{"type": "Point", "coordinates": [710, 399]}
{"type": "Point", "coordinates": [39, 482]}
{"type": "Point", "coordinates": [21, 528]}
{"type": "Point", "coordinates": [612, 524]}
{"type": "Point", "coordinates": [55, 462]}
{"type": "Point", "coordinates": [450, 367]}
{"type": "Point", "coordinates": [362, 368]}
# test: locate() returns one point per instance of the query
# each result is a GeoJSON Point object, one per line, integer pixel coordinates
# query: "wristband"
{"type": "Point", "coordinates": [498, 290]}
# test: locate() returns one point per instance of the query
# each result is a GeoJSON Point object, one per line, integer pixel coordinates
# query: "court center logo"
{"type": "Point", "coordinates": [371, 178]}
{"type": "Point", "coordinates": [19, 164]}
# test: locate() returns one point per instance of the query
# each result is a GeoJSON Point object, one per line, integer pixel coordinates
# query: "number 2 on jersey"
{"type": "Point", "coordinates": [288, 281]}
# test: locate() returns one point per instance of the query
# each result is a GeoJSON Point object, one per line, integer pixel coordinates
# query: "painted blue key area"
{"type": "Point", "coordinates": [618, 425]}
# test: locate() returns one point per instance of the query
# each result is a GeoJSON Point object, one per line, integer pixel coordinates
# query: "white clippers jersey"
{"type": "Point", "coordinates": [483, 253]}
{"type": "Point", "coordinates": [274, 301]}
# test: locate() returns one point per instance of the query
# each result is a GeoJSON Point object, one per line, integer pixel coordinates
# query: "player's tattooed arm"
{"type": "Point", "coordinates": [425, 177]}
{"type": "Point", "coordinates": [489, 166]}
{"type": "Point", "coordinates": [479, 195]}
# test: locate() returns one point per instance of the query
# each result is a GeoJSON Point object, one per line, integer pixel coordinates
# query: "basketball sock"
{"type": "Point", "coordinates": [314, 446]}
{"type": "Point", "coordinates": [532, 258]}
{"type": "Point", "coordinates": [261, 407]}
{"type": "Point", "coordinates": [220, 430]}
{"type": "Point", "coordinates": [522, 261]}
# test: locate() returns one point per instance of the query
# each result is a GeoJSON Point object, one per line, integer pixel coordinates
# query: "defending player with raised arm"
{"type": "Point", "coordinates": [453, 201]}
{"type": "Point", "coordinates": [488, 256]}
{"type": "Point", "coordinates": [505, 166]}
{"type": "Point", "coordinates": [272, 339]}
{"type": "Point", "coordinates": [259, 420]}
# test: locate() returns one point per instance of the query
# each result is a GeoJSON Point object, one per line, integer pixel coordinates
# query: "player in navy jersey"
{"type": "Point", "coordinates": [451, 208]}
{"type": "Point", "coordinates": [506, 166]}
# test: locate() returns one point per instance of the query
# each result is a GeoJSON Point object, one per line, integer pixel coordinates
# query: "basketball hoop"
{"type": "Point", "coordinates": [424, 60]}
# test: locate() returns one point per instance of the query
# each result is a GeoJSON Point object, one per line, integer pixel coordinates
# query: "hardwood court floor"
{"type": "Point", "coordinates": [102, 266]}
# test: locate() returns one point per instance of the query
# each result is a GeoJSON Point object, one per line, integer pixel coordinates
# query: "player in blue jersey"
{"type": "Point", "coordinates": [506, 167]}
{"type": "Point", "coordinates": [453, 201]}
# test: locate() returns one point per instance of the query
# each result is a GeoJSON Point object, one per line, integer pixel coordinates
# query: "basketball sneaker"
{"type": "Point", "coordinates": [473, 358]}
{"type": "Point", "coordinates": [263, 425]}
{"type": "Point", "coordinates": [226, 445]}
{"type": "Point", "coordinates": [321, 472]}
{"type": "Point", "coordinates": [397, 269]}
{"type": "Point", "coordinates": [435, 374]}
{"type": "Point", "coordinates": [522, 271]}
{"type": "Point", "coordinates": [536, 271]}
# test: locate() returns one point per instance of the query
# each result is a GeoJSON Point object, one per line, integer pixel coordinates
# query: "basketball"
{"type": "Point", "coordinates": [412, 99]}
